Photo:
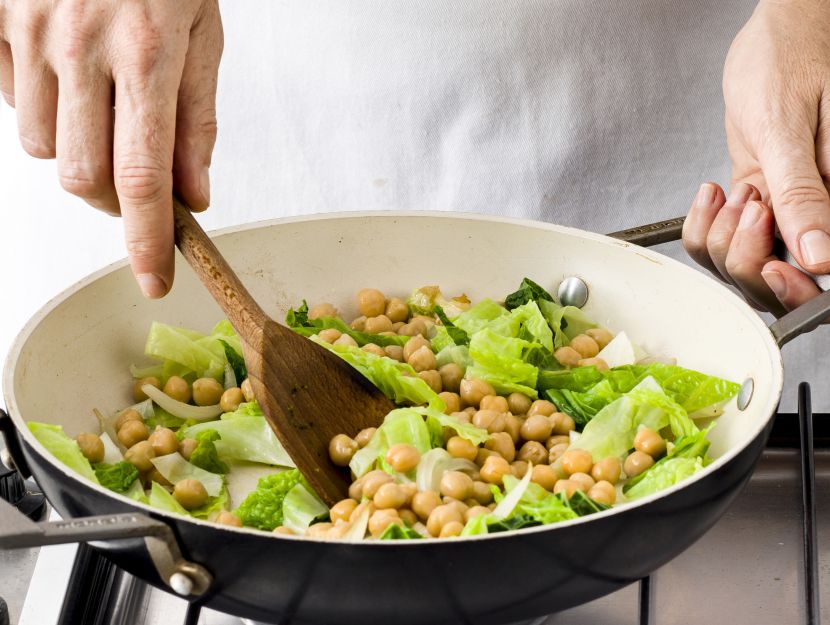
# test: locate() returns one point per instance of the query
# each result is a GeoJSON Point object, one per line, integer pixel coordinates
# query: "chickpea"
{"type": "Point", "coordinates": [322, 310]}
{"type": "Point", "coordinates": [403, 457]}
{"type": "Point", "coordinates": [585, 345]}
{"type": "Point", "coordinates": [583, 481]}
{"type": "Point", "coordinates": [489, 420]}
{"type": "Point", "coordinates": [603, 492]}
{"type": "Point", "coordinates": [494, 469]}
{"type": "Point", "coordinates": [416, 327]}
{"type": "Point", "coordinates": [423, 359]}
{"type": "Point", "coordinates": [607, 470]}
{"type": "Point", "coordinates": [345, 339]}
{"type": "Point", "coordinates": [566, 486]}
{"type": "Point", "coordinates": [361, 508]}
{"type": "Point", "coordinates": [163, 441]}
{"type": "Point", "coordinates": [562, 424]}
{"type": "Point", "coordinates": [557, 439]}
{"type": "Point", "coordinates": [373, 480]}
{"type": "Point", "coordinates": [474, 511]}
{"type": "Point", "coordinates": [358, 323]}
{"type": "Point", "coordinates": [502, 444]}
{"type": "Point", "coordinates": [576, 461]}
{"type": "Point", "coordinates": [649, 442]}
{"type": "Point", "coordinates": [130, 414]}
{"type": "Point", "coordinates": [482, 493]}
{"type": "Point", "coordinates": [599, 363]}
{"type": "Point", "coordinates": [231, 399]}
{"type": "Point", "coordinates": [424, 502]}
{"type": "Point", "coordinates": [441, 516]}
{"type": "Point", "coordinates": [364, 436]}
{"type": "Point", "coordinates": [329, 335]}
{"type": "Point", "coordinates": [408, 517]}
{"type": "Point", "coordinates": [494, 402]}
{"type": "Point", "coordinates": [187, 446]}
{"type": "Point", "coordinates": [536, 427]}
{"type": "Point", "coordinates": [409, 491]}
{"type": "Point", "coordinates": [518, 468]}
{"type": "Point", "coordinates": [544, 476]}
{"type": "Point", "coordinates": [463, 415]}
{"type": "Point", "coordinates": [319, 530]}
{"type": "Point", "coordinates": [556, 452]}
{"type": "Point", "coordinates": [471, 410]}
{"type": "Point", "coordinates": [132, 432]}
{"type": "Point", "coordinates": [541, 407]}
{"type": "Point", "coordinates": [451, 529]}
{"type": "Point", "coordinates": [518, 403]}
{"type": "Point", "coordinates": [140, 454]}
{"type": "Point", "coordinates": [472, 391]}
{"type": "Point", "coordinates": [452, 400]}
{"type": "Point", "coordinates": [451, 376]}
{"type": "Point", "coordinates": [397, 310]}
{"type": "Point", "coordinates": [155, 476]}
{"type": "Point", "coordinates": [138, 394]}
{"type": "Point", "coordinates": [636, 463]}
{"type": "Point", "coordinates": [376, 325]}
{"type": "Point", "coordinates": [341, 450]}
{"type": "Point", "coordinates": [390, 495]}
{"type": "Point", "coordinates": [533, 452]}
{"type": "Point", "coordinates": [513, 426]}
{"type": "Point", "coordinates": [456, 484]}
{"type": "Point", "coordinates": [371, 302]}
{"type": "Point", "coordinates": [91, 446]}
{"type": "Point", "coordinates": [482, 455]}
{"type": "Point", "coordinates": [567, 356]}
{"type": "Point", "coordinates": [461, 448]}
{"type": "Point", "coordinates": [177, 388]}
{"type": "Point", "coordinates": [228, 518]}
{"type": "Point", "coordinates": [371, 348]}
{"type": "Point", "coordinates": [342, 510]}
{"type": "Point", "coordinates": [247, 390]}
{"type": "Point", "coordinates": [432, 378]}
{"type": "Point", "coordinates": [281, 529]}
{"type": "Point", "coordinates": [395, 352]}
{"type": "Point", "coordinates": [191, 494]}
{"type": "Point", "coordinates": [601, 336]}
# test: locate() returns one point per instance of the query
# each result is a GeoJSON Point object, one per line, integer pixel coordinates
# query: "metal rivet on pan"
{"type": "Point", "coordinates": [745, 394]}
{"type": "Point", "coordinates": [181, 583]}
{"type": "Point", "coordinates": [573, 292]}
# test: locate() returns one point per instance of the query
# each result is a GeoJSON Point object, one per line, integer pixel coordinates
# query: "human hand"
{"type": "Point", "coordinates": [65, 65]}
{"type": "Point", "coordinates": [778, 131]}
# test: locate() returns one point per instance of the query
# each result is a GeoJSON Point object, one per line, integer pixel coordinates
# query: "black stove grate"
{"type": "Point", "coordinates": [97, 588]}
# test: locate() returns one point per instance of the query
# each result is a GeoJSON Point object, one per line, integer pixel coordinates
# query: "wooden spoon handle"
{"type": "Point", "coordinates": [242, 311]}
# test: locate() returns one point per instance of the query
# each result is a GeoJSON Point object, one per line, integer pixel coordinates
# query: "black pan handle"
{"type": "Point", "coordinates": [805, 318]}
{"type": "Point", "coordinates": [9, 433]}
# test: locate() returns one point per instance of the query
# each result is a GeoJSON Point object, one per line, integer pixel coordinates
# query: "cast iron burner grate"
{"type": "Point", "coordinates": [100, 593]}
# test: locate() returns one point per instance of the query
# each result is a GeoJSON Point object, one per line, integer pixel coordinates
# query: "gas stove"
{"type": "Point", "coordinates": [767, 561]}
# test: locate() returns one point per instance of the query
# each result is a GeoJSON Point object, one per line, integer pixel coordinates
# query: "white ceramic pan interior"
{"type": "Point", "coordinates": [75, 353]}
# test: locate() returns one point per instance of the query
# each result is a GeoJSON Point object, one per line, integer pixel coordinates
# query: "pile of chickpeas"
{"type": "Point", "coordinates": [524, 433]}
{"type": "Point", "coordinates": [142, 445]}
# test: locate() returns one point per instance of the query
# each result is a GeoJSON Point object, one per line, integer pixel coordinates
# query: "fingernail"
{"type": "Point", "coordinates": [749, 216]}
{"type": "Point", "coordinates": [815, 247]}
{"type": "Point", "coordinates": [705, 195]}
{"type": "Point", "coordinates": [204, 185]}
{"type": "Point", "coordinates": [739, 195]}
{"type": "Point", "coordinates": [151, 285]}
{"type": "Point", "coordinates": [776, 282]}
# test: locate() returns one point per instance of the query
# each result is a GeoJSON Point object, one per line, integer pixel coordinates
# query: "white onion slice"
{"type": "Point", "coordinates": [358, 529]}
{"type": "Point", "coordinates": [434, 463]}
{"type": "Point", "coordinates": [180, 409]}
{"type": "Point", "coordinates": [175, 468]}
{"type": "Point", "coordinates": [512, 498]}
{"type": "Point", "coordinates": [112, 455]}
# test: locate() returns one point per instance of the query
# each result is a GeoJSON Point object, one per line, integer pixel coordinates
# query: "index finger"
{"type": "Point", "coordinates": [146, 87]}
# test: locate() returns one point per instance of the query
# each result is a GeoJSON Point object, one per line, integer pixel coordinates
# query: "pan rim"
{"type": "Point", "coordinates": [748, 314]}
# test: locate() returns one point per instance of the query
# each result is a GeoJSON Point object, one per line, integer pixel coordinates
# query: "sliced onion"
{"type": "Point", "coordinates": [511, 499]}
{"type": "Point", "coordinates": [175, 468]}
{"type": "Point", "coordinates": [358, 529]}
{"type": "Point", "coordinates": [180, 409]}
{"type": "Point", "coordinates": [112, 454]}
{"type": "Point", "coordinates": [434, 463]}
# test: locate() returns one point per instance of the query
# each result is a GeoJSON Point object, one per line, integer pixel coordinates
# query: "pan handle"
{"type": "Point", "coordinates": [9, 433]}
{"type": "Point", "coordinates": [805, 318]}
{"type": "Point", "coordinates": [184, 577]}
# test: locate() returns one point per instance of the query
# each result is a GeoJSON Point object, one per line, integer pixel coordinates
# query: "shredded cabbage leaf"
{"type": "Point", "coordinates": [64, 448]}
{"type": "Point", "coordinates": [263, 507]}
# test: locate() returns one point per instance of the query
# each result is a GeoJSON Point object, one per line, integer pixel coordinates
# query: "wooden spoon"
{"type": "Point", "coordinates": [307, 393]}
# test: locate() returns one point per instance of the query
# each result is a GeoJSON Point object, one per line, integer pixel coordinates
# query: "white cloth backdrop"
{"type": "Point", "coordinates": [601, 114]}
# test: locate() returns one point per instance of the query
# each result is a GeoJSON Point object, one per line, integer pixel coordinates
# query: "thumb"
{"type": "Point", "coordinates": [799, 198]}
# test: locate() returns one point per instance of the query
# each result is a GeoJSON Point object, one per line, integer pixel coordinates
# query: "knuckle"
{"type": "Point", "coordinates": [141, 51]}
{"type": "Point", "coordinates": [795, 191]}
{"type": "Point", "coordinates": [142, 181]}
{"type": "Point", "coordinates": [145, 247]}
{"type": "Point", "coordinates": [81, 179]}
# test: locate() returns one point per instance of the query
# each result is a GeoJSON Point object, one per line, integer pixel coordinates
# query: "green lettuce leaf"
{"type": "Point", "coordinates": [398, 532]}
{"type": "Point", "coordinates": [298, 321]}
{"type": "Point", "coordinates": [301, 507]}
{"type": "Point", "coordinates": [458, 335]}
{"type": "Point", "coordinates": [213, 506]}
{"type": "Point", "coordinates": [583, 406]}
{"type": "Point", "coordinates": [185, 353]}
{"type": "Point", "coordinates": [205, 455]}
{"type": "Point", "coordinates": [693, 447]}
{"type": "Point", "coordinates": [667, 474]}
{"type": "Point", "coordinates": [236, 361]}
{"type": "Point", "coordinates": [528, 291]}
{"type": "Point", "coordinates": [565, 321]}
{"type": "Point", "coordinates": [262, 507]}
{"type": "Point", "coordinates": [160, 498]}
{"type": "Point", "coordinates": [64, 448]}
{"type": "Point", "coordinates": [161, 417]}
{"type": "Point", "coordinates": [498, 360]}
{"type": "Point", "coordinates": [118, 477]}
{"type": "Point", "coordinates": [404, 425]}
{"type": "Point", "coordinates": [532, 326]}
{"type": "Point", "coordinates": [480, 316]}
{"type": "Point", "coordinates": [581, 504]}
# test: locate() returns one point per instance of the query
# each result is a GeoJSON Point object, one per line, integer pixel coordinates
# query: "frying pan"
{"type": "Point", "coordinates": [73, 356]}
